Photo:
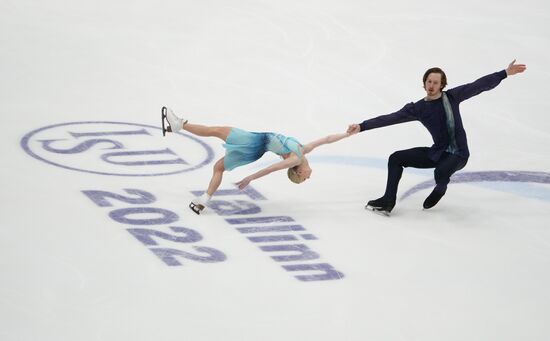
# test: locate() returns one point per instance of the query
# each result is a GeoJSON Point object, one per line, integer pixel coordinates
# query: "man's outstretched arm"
{"type": "Point", "coordinates": [514, 68]}
{"type": "Point", "coordinates": [463, 92]}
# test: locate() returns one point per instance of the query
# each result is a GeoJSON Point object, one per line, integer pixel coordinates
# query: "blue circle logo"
{"type": "Point", "coordinates": [116, 148]}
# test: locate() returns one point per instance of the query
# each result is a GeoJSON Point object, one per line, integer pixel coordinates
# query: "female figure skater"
{"type": "Point", "coordinates": [244, 147]}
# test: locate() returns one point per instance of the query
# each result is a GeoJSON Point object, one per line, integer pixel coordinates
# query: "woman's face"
{"type": "Point", "coordinates": [304, 171]}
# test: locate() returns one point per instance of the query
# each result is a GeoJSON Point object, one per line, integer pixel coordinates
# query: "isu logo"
{"type": "Point", "coordinates": [116, 148]}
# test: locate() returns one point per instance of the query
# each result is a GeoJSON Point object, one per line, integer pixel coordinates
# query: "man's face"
{"type": "Point", "coordinates": [433, 84]}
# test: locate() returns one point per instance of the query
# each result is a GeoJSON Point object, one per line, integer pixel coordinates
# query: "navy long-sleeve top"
{"type": "Point", "coordinates": [431, 114]}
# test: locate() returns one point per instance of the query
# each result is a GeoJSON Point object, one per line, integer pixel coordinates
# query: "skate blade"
{"type": "Point", "coordinates": [377, 211]}
{"type": "Point", "coordinates": [196, 208]}
{"type": "Point", "coordinates": [162, 118]}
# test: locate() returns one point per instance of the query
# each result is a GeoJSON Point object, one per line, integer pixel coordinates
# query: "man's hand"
{"type": "Point", "coordinates": [514, 68]}
{"type": "Point", "coordinates": [244, 182]}
{"type": "Point", "coordinates": [353, 129]}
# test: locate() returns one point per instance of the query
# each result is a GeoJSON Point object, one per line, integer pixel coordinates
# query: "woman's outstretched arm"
{"type": "Point", "coordinates": [289, 162]}
{"type": "Point", "coordinates": [325, 140]}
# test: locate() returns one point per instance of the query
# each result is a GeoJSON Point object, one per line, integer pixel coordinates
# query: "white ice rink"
{"type": "Point", "coordinates": [97, 242]}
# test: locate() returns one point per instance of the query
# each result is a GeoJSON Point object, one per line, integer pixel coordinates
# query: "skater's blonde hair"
{"type": "Point", "coordinates": [293, 175]}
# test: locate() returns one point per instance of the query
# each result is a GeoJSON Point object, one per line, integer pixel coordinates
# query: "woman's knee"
{"type": "Point", "coordinates": [219, 166]}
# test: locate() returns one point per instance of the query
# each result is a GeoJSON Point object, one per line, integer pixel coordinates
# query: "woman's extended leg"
{"type": "Point", "coordinates": [206, 131]}
{"type": "Point", "coordinates": [176, 123]}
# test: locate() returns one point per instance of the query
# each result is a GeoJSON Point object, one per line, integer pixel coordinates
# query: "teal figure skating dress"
{"type": "Point", "coordinates": [243, 147]}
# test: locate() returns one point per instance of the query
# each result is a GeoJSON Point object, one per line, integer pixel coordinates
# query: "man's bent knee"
{"type": "Point", "coordinates": [395, 159]}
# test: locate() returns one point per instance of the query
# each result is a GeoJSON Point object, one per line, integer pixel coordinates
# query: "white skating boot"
{"type": "Point", "coordinates": [175, 123]}
{"type": "Point", "coordinates": [199, 203]}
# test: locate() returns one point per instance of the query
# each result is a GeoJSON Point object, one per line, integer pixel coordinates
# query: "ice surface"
{"type": "Point", "coordinates": [84, 255]}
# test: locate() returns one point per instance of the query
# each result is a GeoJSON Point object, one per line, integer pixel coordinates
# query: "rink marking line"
{"type": "Point", "coordinates": [488, 179]}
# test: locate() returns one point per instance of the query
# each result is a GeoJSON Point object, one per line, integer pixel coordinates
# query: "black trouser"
{"type": "Point", "coordinates": [418, 158]}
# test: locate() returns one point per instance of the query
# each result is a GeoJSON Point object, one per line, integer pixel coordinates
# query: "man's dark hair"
{"type": "Point", "coordinates": [435, 70]}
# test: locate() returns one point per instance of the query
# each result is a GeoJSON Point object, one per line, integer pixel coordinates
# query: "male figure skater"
{"type": "Point", "coordinates": [439, 112]}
